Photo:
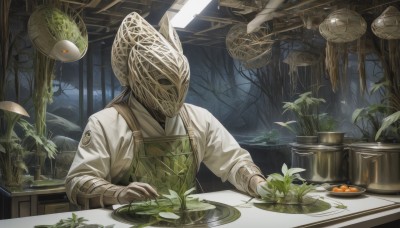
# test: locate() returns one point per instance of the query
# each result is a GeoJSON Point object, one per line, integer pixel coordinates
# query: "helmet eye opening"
{"type": "Point", "coordinates": [164, 81]}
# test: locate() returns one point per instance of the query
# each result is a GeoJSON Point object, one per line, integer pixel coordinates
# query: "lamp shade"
{"type": "Point", "coordinates": [343, 26]}
{"type": "Point", "coordinates": [387, 25]}
{"type": "Point", "coordinates": [60, 35]}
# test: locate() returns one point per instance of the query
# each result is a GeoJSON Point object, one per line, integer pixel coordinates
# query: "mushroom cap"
{"type": "Point", "coordinates": [13, 107]}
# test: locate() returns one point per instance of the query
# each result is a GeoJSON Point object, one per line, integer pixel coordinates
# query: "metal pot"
{"type": "Point", "coordinates": [330, 138]}
{"type": "Point", "coordinates": [375, 166]}
{"type": "Point", "coordinates": [306, 139]}
{"type": "Point", "coordinates": [321, 163]}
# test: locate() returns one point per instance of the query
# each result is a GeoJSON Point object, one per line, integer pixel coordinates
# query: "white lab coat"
{"type": "Point", "coordinates": [109, 153]}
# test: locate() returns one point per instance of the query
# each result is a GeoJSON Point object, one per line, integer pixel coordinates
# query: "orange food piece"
{"type": "Point", "coordinates": [347, 190]}
{"type": "Point", "coordinates": [344, 187]}
{"type": "Point", "coordinates": [353, 189]}
{"type": "Point", "coordinates": [336, 189]}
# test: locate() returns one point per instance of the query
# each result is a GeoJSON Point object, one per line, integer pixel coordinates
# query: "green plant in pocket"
{"type": "Point", "coordinates": [280, 188]}
{"type": "Point", "coordinates": [305, 110]}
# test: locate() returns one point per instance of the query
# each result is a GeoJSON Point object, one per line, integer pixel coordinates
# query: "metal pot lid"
{"type": "Point", "coordinates": [377, 146]}
{"type": "Point", "coordinates": [316, 146]}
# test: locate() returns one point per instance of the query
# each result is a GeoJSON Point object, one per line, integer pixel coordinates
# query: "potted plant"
{"type": "Point", "coordinates": [308, 121]}
{"type": "Point", "coordinates": [380, 122]}
{"type": "Point", "coordinates": [13, 148]}
{"type": "Point", "coordinates": [12, 165]}
{"type": "Point", "coordinates": [377, 160]}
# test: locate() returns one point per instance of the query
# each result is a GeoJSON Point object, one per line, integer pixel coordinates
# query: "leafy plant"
{"type": "Point", "coordinates": [11, 152]}
{"type": "Point", "coordinates": [368, 119]}
{"type": "Point", "coordinates": [269, 137]}
{"type": "Point", "coordinates": [393, 121]}
{"type": "Point", "coordinates": [380, 121]}
{"type": "Point", "coordinates": [281, 189]}
{"type": "Point", "coordinates": [38, 141]}
{"type": "Point", "coordinates": [182, 198]}
{"type": "Point", "coordinates": [300, 191]}
{"type": "Point", "coordinates": [305, 110]}
{"type": "Point", "coordinates": [171, 209]}
{"type": "Point", "coordinates": [73, 222]}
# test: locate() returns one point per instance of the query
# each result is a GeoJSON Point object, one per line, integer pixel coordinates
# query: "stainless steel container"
{"type": "Point", "coordinates": [322, 163]}
{"type": "Point", "coordinates": [375, 166]}
{"type": "Point", "coordinates": [330, 138]}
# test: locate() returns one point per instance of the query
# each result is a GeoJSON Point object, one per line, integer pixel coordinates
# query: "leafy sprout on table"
{"type": "Point", "coordinates": [280, 188]}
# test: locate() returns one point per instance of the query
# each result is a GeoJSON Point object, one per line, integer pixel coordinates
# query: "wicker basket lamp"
{"type": "Point", "coordinates": [387, 25]}
{"type": "Point", "coordinates": [248, 47]}
{"type": "Point", "coordinates": [259, 61]}
{"type": "Point", "coordinates": [343, 26]}
{"type": "Point", "coordinates": [301, 58]}
{"type": "Point", "coordinates": [59, 35]}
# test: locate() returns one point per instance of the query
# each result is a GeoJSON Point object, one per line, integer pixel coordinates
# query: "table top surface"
{"type": "Point", "coordinates": [15, 192]}
{"type": "Point", "coordinates": [371, 209]}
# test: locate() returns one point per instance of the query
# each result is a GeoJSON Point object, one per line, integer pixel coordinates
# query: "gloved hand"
{"type": "Point", "coordinates": [136, 191]}
{"type": "Point", "coordinates": [262, 189]}
{"type": "Point", "coordinates": [256, 181]}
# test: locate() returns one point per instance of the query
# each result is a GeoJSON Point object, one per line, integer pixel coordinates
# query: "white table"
{"type": "Point", "coordinates": [254, 217]}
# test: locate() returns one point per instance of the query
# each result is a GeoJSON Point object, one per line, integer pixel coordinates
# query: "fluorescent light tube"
{"type": "Point", "coordinates": [188, 12]}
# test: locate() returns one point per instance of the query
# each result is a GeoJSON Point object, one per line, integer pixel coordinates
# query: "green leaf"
{"type": "Point", "coordinates": [356, 114]}
{"type": "Point", "coordinates": [284, 169]}
{"type": "Point", "coordinates": [276, 176]}
{"type": "Point", "coordinates": [389, 120]}
{"type": "Point", "coordinates": [341, 206]}
{"type": "Point", "coordinates": [169, 215]}
{"type": "Point", "coordinates": [286, 125]}
{"type": "Point", "coordinates": [292, 171]}
{"type": "Point", "coordinates": [189, 191]}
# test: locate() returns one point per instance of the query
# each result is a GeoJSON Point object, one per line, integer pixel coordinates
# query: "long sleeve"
{"type": "Point", "coordinates": [103, 156]}
{"type": "Point", "coordinates": [221, 153]}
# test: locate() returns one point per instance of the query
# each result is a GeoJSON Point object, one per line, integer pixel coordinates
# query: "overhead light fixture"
{"type": "Point", "coordinates": [188, 12]}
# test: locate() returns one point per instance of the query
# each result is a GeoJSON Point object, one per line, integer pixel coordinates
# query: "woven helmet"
{"type": "Point", "coordinates": [60, 35]}
{"type": "Point", "coordinates": [151, 63]}
{"type": "Point", "coordinates": [387, 25]}
{"type": "Point", "coordinates": [343, 26]}
{"type": "Point", "coordinates": [245, 46]}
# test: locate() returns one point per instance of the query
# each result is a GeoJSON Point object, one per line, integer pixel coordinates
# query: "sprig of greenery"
{"type": "Point", "coordinates": [300, 191]}
{"type": "Point", "coordinates": [305, 109]}
{"type": "Point", "coordinates": [41, 141]}
{"type": "Point", "coordinates": [279, 188]}
{"type": "Point", "coordinates": [73, 222]}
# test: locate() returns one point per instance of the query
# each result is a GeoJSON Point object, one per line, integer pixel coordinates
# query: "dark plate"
{"type": "Point", "coordinates": [222, 214]}
{"type": "Point", "coordinates": [346, 194]}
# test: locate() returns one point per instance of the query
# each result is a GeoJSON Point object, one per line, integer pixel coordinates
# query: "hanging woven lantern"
{"type": "Point", "coordinates": [244, 46]}
{"type": "Point", "coordinates": [301, 58]}
{"type": "Point", "coordinates": [259, 61]}
{"type": "Point", "coordinates": [387, 25]}
{"type": "Point", "coordinates": [343, 26]}
{"type": "Point", "coordinates": [59, 35]}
